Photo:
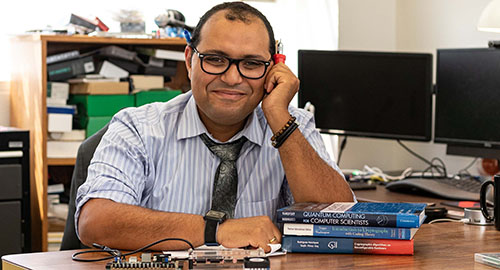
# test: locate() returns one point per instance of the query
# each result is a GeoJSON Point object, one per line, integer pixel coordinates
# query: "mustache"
{"type": "Point", "coordinates": [224, 86]}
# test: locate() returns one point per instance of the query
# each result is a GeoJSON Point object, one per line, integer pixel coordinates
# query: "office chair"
{"type": "Point", "coordinates": [83, 157]}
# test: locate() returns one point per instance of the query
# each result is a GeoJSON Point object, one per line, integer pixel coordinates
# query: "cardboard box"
{"type": "Point", "coordinates": [145, 82]}
{"type": "Point", "coordinates": [100, 88]}
{"type": "Point", "coordinates": [100, 105]}
{"type": "Point", "coordinates": [146, 97]}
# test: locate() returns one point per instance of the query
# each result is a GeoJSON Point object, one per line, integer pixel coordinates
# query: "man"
{"type": "Point", "coordinates": [152, 175]}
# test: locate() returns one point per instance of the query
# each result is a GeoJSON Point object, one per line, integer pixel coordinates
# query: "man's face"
{"type": "Point", "coordinates": [227, 99]}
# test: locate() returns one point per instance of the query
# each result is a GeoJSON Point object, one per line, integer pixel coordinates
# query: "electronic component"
{"type": "Point", "coordinates": [254, 263]}
{"type": "Point", "coordinates": [148, 261]}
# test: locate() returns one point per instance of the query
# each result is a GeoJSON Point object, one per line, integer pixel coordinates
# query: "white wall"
{"type": "Point", "coordinates": [408, 26]}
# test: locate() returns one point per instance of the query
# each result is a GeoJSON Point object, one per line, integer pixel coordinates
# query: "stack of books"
{"type": "Point", "coordinates": [366, 228]}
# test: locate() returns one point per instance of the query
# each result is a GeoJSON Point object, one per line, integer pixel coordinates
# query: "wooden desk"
{"type": "Point", "coordinates": [437, 246]}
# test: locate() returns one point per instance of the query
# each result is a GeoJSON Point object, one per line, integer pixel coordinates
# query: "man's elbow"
{"type": "Point", "coordinates": [88, 222]}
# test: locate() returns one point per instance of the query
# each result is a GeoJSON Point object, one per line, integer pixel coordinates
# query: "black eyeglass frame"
{"type": "Point", "coordinates": [231, 61]}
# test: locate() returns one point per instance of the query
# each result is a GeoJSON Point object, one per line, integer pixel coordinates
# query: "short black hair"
{"type": "Point", "coordinates": [236, 11]}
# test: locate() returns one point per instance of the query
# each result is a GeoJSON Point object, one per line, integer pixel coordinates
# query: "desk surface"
{"type": "Point", "coordinates": [437, 246]}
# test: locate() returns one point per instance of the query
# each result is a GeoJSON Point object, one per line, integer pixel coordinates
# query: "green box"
{"type": "Point", "coordinates": [95, 123]}
{"type": "Point", "coordinates": [146, 97]}
{"type": "Point", "coordinates": [101, 105]}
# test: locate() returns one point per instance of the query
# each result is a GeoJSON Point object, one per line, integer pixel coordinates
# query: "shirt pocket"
{"type": "Point", "coordinates": [259, 208]}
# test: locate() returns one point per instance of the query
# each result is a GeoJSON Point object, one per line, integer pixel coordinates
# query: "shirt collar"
{"type": "Point", "coordinates": [190, 125]}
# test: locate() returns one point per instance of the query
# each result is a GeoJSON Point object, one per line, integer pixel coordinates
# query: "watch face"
{"type": "Point", "coordinates": [216, 214]}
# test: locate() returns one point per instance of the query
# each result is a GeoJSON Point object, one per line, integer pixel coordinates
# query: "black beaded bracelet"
{"type": "Point", "coordinates": [284, 133]}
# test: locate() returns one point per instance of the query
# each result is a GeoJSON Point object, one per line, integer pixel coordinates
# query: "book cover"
{"type": "Point", "coordinates": [308, 244]}
{"type": "Point", "coordinates": [300, 229]}
{"type": "Point", "coordinates": [401, 215]}
{"type": "Point", "coordinates": [491, 259]}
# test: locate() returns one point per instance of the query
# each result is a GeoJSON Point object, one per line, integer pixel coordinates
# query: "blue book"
{"type": "Point", "coordinates": [61, 109]}
{"type": "Point", "coordinates": [300, 229]}
{"type": "Point", "coordinates": [308, 244]}
{"type": "Point", "coordinates": [400, 215]}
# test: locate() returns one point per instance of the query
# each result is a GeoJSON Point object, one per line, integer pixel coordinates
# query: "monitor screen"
{"type": "Point", "coordinates": [371, 94]}
{"type": "Point", "coordinates": [468, 101]}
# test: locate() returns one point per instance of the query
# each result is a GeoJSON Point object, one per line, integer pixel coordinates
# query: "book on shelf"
{"type": "Point", "coordinates": [491, 259]}
{"type": "Point", "coordinates": [401, 215]}
{"type": "Point", "coordinates": [62, 56]}
{"type": "Point", "coordinates": [110, 70]}
{"type": "Point", "coordinates": [58, 90]}
{"type": "Point", "coordinates": [131, 67]}
{"type": "Point", "coordinates": [69, 69]}
{"type": "Point", "coordinates": [161, 53]}
{"type": "Point", "coordinates": [319, 230]}
{"type": "Point", "coordinates": [88, 78]}
{"type": "Point", "coordinates": [118, 52]}
{"type": "Point", "coordinates": [309, 244]}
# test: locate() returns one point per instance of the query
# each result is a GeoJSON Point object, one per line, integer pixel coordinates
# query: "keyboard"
{"type": "Point", "coordinates": [463, 189]}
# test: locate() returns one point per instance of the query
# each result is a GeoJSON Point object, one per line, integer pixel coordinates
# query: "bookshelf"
{"type": "Point", "coordinates": [28, 109]}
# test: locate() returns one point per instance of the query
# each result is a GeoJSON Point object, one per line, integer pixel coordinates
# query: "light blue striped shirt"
{"type": "Point", "coordinates": [152, 156]}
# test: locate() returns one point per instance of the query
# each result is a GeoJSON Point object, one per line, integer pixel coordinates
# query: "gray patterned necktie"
{"type": "Point", "coordinates": [226, 176]}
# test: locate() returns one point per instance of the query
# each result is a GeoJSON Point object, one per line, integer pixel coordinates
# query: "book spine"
{"type": "Point", "coordinates": [348, 231]}
{"type": "Point", "coordinates": [62, 57]}
{"type": "Point", "coordinates": [346, 245]}
{"type": "Point", "coordinates": [349, 219]}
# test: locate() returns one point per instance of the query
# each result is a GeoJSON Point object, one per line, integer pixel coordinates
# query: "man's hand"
{"type": "Point", "coordinates": [280, 87]}
{"type": "Point", "coordinates": [251, 231]}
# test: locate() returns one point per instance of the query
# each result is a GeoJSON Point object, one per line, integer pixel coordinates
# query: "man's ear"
{"type": "Point", "coordinates": [188, 56]}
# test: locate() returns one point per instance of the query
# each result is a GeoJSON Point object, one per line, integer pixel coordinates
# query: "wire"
{"type": "Point", "coordinates": [414, 153]}
{"type": "Point", "coordinates": [342, 146]}
{"type": "Point", "coordinates": [465, 171]}
{"type": "Point", "coordinates": [378, 173]}
{"type": "Point", "coordinates": [463, 220]}
{"type": "Point", "coordinates": [115, 253]}
{"type": "Point", "coordinates": [439, 168]}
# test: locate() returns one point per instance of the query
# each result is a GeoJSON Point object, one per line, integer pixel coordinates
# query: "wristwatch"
{"type": "Point", "coordinates": [212, 220]}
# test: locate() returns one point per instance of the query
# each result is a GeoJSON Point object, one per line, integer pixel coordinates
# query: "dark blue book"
{"type": "Point", "coordinates": [306, 244]}
{"type": "Point", "coordinates": [301, 229]}
{"type": "Point", "coordinates": [400, 215]}
{"type": "Point", "coordinates": [61, 109]}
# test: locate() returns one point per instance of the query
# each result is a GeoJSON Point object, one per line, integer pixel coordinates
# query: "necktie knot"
{"type": "Point", "coordinates": [225, 151]}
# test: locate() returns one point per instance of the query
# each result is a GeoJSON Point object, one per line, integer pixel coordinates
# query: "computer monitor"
{"type": "Point", "coordinates": [369, 94]}
{"type": "Point", "coordinates": [468, 101]}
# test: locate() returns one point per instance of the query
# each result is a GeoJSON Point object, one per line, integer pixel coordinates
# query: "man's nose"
{"type": "Point", "coordinates": [232, 76]}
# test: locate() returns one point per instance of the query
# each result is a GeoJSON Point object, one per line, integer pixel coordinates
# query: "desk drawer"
{"type": "Point", "coordinates": [10, 181]}
{"type": "Point", "coordinates": [11, 238]}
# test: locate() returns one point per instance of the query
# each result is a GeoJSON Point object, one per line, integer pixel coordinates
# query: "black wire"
{"type": "Point", "coordinates": [342, 146]}
{"type": "Point", "coordinates": [413, 153]}
{"type": "Point", "coordinates": [441, 169]}
{"type": "Point", "coordinates": [116, 253]}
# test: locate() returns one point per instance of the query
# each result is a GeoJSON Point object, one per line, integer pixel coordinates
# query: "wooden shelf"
{"type": "Point", "coordinates": [28, 108]}
{"type": "Point", "coordinates": [61, 161]}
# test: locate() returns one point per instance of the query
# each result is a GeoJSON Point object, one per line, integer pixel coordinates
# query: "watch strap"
{"type": "Point", "coordinates": [211, 227]}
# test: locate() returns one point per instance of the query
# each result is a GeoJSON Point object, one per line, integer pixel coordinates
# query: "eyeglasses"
{"type": "Point", "coordinates": [216, 64]}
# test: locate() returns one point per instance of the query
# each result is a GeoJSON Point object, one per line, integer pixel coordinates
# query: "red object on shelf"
{"type": "Point", "coordinates": [101, 25]}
